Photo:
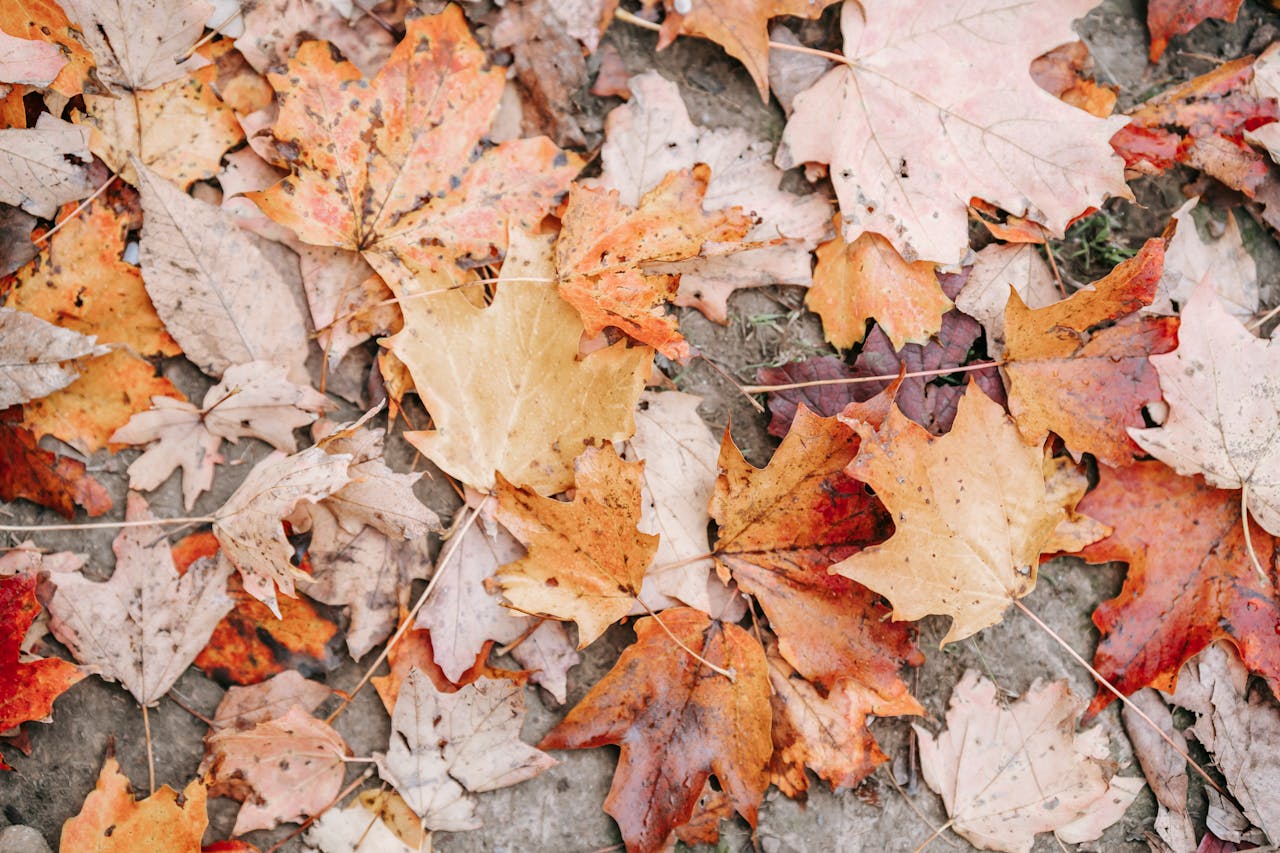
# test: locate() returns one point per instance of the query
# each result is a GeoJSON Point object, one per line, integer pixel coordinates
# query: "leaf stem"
{"type": "Point", "coordinates": [1130, 704]}
{"type": "Point", "coordinates": [727, 673]}
{"type": "Point", "coordinates": [1248, 539]}
{"type": "Point", "coordinates": [151, 759]}
{"type": "Point", "coordinates": [76, 212]}
{"type": "Point", "coordinates": [407, 622]}
{"type": "Point", "coordinates": [342, 795]}
{"type": "Point", "coordinates": [105, 525]}
{"type": "Point", "coordinates": [941, 371]}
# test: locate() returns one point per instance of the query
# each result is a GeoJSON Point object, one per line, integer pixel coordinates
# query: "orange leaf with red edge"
{"type": "Point", "coordinates": [604, 245]}
{"type": "Point", "coordinates": [391, 167]}
{"type": "Point", "coordinates": [46, 478]}
{"type": "Point", "coordinates": [27, 689]}
{"type": "Point", "coordinates": [414, 650]}
{"type": "Point", "coordinates": [250, 644]}
{"type": "Point", "coordinates": [782, 527]}
{"type": "Point", "coordinates": [1169, 18]}
{"type": "Point", "coordinates": [112, 821]}
{"type": "Point", "coordinates": [1190, 579]}
{"type": "Point", "coordinates": [1072, 373]}
{"type": "Point", "coordinates": [677, 723]}
{"type": "Point", "coordinates": [586, 558]}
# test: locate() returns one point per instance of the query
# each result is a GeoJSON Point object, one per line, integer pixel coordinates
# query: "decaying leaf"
{"type": "Point", "coordinates": [58, 482]}
{"type": "Point", "coordinates": [1008, 773]}
{"type": "Point", "coordinates": [44, 20]}
{"type": "Point", "coordinates": [504, 384]}
{"type": "Point", "coordinates": [971, 514]}
{"type": "Point", "coordinates": [38, 358]}
{"type": "Point", "coordinates": [29, 61]}
{"type": "Point", "coordinates": [44, 166]}
{"type": "Point", "coordinates": [652, 136]}
{"type": "Point", "coordinates": [282, 770]}
{"type": "Point", "coordinates": [145, 625]}
{"type": "Point", "coordinates": [1169, 18]}
{"type": "Point", "coordinates": [910, 139]}
{"type": "Point", "coordinates": [586, 559]}
{"type": "Point", "coordinates": [742, 29]}
{"type": "Point", "coordinates": [1189, 258]}
{"type": "Point", "coordinates": [112, 821]}
{"type": "Point", "coordinates": [997, 268]}
{"type": "Point", "coordinates": [274, 29]}
{"type": "Point", "coordinates": [1072, 373]}
{"type": "Point", "coordinates": [377, 820]}
{"type": "Point", "coordinates": [137, 43]}
{"type": "Point", "coordinates": [245, 707]}
{"type": "Point", "coordinates": [27, 687]}
{"type": "Point", "coordinates": [1190, 579]}
{"type": "Point", "coordinates": [404, 137]}
{"type": "Point", "coordinates": [445, 744]}
{"type": "Point", "coordinates": [252, 400]}
{"type": "Point", "coordinates": [677, 724]}
{"type": "Point", "coordinates": [217, 293]}
{"type": "Point", "coordinates": [1221, 389]}
{"type": "Point", "coordinates": [603, 247]}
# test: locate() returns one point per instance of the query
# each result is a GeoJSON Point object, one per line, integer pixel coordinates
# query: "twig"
{"type": "Point", "coordinates": [727, 673]}
{"type": "Point", "coordinates": [745, 390]}
{"type": "Point", "coordinates": [1123, 698]}
{"type": "Point", "coordinates": [941, 371]}
{"type": "Point", "coordinates": [211, 36]}
{"type": "Point", "coordinates": [173, 697]}
{"type": "Point", "coordinates": [1053, 266]}
{"type": "Point", "coordinates": [76, 212]}
{"type": "Point", "coordinates": [937, 831]}
{"type": "Point", "coordinates": [151, 759]}
{"type": "Point", "coordinates": [443, 563]}
{"type": "Point", "coordinates": [1254, 325]}
{"type": "Point", "coordinates": [514, 644]}
{"type": "Point", "coordinates": [1248, 540]}
{"type": "Point", "coordinates": [105, 525]}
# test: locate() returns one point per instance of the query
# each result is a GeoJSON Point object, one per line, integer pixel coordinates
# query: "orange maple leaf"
{"type": "Point", "coordinates": [390, 167]}
{"type": "Point", "coordinates": [112, 821]}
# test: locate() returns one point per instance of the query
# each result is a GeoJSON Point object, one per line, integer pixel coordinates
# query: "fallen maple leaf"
{"type": "Point", "coordinates": [677, 723]}
{"type": "Point", "coordinates": [245, 707]}
{"type": "Point", "coordinates": [1087, 381]}
{"type": "Point", "coordinates": [282, 770]}
{"type": "Point", "coordinates": [462, 616]}
{"type": "Point", "coordinates": [676, 484]}
{"type": "Point", "coordinates": [741, 29]}
{"type": "Point", "coordinates": [1189, 258]}
{"type": "Point", "coordinates": [1164, 767]}
{"type": "Point", "coordinates": [37, 357]}
{"type": "Point", "coordinates": [827, 733]}
{"type": "Point", "coordinates": [1008, 773]}
{"type": "Point", "coordinates": [45, 21]}
{"type": "Point", "coordinates": [415, 651]}
{"type": "Point", "coordinates": [44, 166]}
{"type": "Point", "coordinates": [248, 526]}
{"type": "Point", "coordinates": [275, 29]}
{"type": "Point", "coordinates": [586, 559]}
{"type": "Point", "coordinates": [997, 268]}
{"type": "Point", "coordinates": [29, 61]}
{"type": "Point", "coordinates": [868, 280]}
{"type": "Point", "coordinates": [1239, 731]}
{"type": "Point", "coordinates": [504, 384]}
{"type": "Point", "coordinates": [58, 482]}
{"type": "Point", "coordinates": [910, 141]}
{"type": "Point", "coordinates": [344, 295]}
{"type": "Point", "coordinates": [137, 43]}
{"type": "Point", "coordinates": [112, 821]}
{"type": "Point", "coordinates": [823, 400]}
{"type": "Point", "coordinates": [179, 130]}
{"type": "Point", "coordinates": [251, 644]}
{"type": "Point", "coordinates": [781, 529]}
{"type": "Point", "coordinates": [252, 400]}
{"type": "Point", "coordinates": [218, 295]}
{"type": "Point", "coordinates": [370, 823]}
{"type": "Point", "coordinates": [603, 247]}
{"type": "Point", "coordinates": [971, 514]}
{"type": "Point", "coordinates": [412, 197]}
{"type": "Point", "coordinates": [652, 136]}
{"type": "Point", "coordinates": [1169, 18]}
{"type": "Point", "coordinates": [27, 688]}
{"type": "Point", "coordinates": [1219, 360]}
{"type": "Point", "coordinates": [1190, 580]}
{"type": "Point", "coordinates": [145, 625]}
{"type": "Point", "coordinates": [445, 744]}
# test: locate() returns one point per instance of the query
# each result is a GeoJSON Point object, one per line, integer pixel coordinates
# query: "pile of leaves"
{"type": "Point", "coordinates": [344, 217]}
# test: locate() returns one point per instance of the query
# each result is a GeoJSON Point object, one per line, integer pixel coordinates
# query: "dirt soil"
{"type": "Point", "coordinates": [561, 810]}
